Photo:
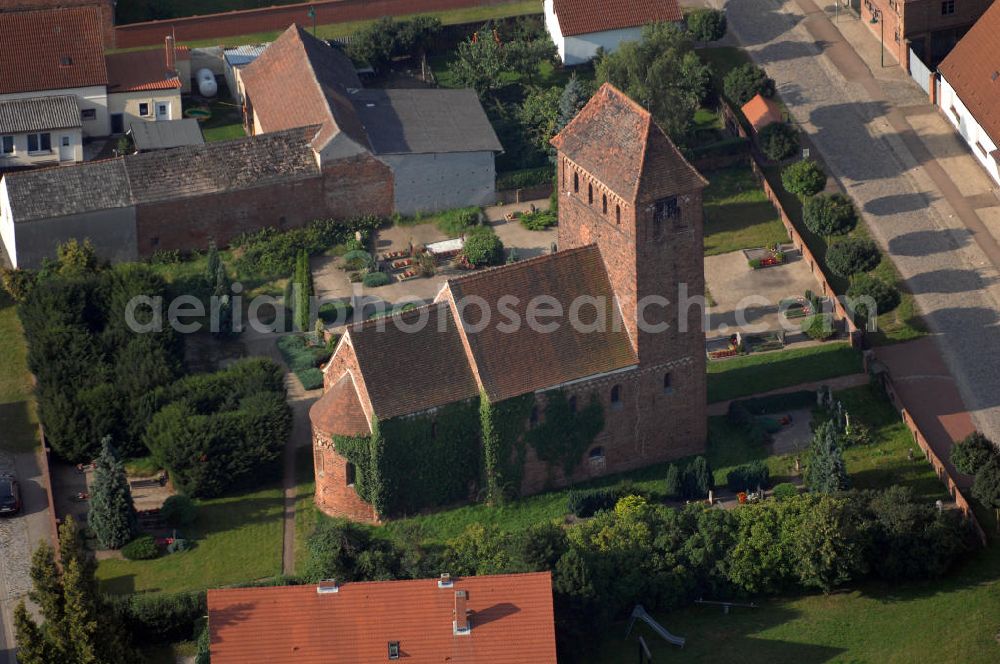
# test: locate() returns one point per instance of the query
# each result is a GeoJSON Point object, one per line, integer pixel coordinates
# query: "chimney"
{"type": "Point", "coordinates": [171, 56]}
{"type": "Point", "coordinates": [327, 586]}
{"type": "Point", "coordinates": [461, 623]}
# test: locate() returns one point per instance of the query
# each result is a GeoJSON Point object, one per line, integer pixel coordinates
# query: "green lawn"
{"type": "Point", "coordinates": [305, 509]}
{"type": "Point", "coordinates": [18, 418]}
{"type": "Point", "coordinates": [238, 539]}
{"type": "Point", "coordinates": [762, 372]}
{"type": "Point", "coordinates": [737, 213]}
{"type": "Point", "coordinates": [333, 30]}
{"type": "Point", "coordinates": [226, 122]}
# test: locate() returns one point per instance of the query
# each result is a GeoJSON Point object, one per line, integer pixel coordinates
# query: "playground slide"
{"type": "Point", "coordinates": [640, 613]}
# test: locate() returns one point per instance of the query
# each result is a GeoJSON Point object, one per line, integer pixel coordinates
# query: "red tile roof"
{"type": "Point", "coordinates": [973, 71]}
{"type": "Point", "coordinates": [511, 622]}
{"type": "Point", "coordinates": [617, 141]}
{"type": "Point", "coordinates": [299, 67]}
{"type": "Point", "coordinates": [51, 49]}
{"type": "Point", "coordinates": [761, 111]}
{"type": "Point", "coordinates": [141, 70]}
{"type": "Point", "coordinates": [511, 363]}
{"type": "Point", "coordinates": [410, 366]}
{"type": "Point", "coordinates": [579, 17]}
{"type": "Point", "coordinates": [338, 412]}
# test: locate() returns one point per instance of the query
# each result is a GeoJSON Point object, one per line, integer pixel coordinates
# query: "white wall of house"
{"type": "Point", "coordinates": [66, 146]}
{"type": "Point", "coordinates": [93, 102]}
{"type": "Point", "coordinates": [435, 182]}
{"type": "Point", "coordinates": [979, 141]}
{"type": "Point", "coordinates": [579, 49]}
{"type": "Point", "coordinates": [157, 105]}
{"type": "Point", "coordinates": [7, 224]}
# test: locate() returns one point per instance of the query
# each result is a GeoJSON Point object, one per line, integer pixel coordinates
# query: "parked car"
{"type": "Point", "coordinates": [10, 495]}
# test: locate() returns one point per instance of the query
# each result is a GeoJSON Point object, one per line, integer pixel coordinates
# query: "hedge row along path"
{"type": "Point", "coordinates": [836, 384]}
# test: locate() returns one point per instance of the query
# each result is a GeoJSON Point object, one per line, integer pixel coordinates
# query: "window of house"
{"type": "Point", "coordinates": [616, 396]}
{"type": "Point", "coordinates": [65, 141]}
{"type": "Point", "coordinates": [667, 209]}
{"type": "Point", "coordinates": [618, 214]}
{"type": "Point", "coordinates": [88, 114]}
{"type": "Point", "coordinates": [947, 7]}
{"type": "Point", "coordinates": [668, 383]}
{"type": "Point", "coordinates": [7, 145]}
{"type": "Point", "coordinates": [39, 142]}
{"type": "Point", "coordinates": [144, 109]}
{"type": "Point", "coordinates": [981, 148]}
{"type": "Point", "coordinates": [604, 203]}
{"type": "Point", "coordinates": [576, 183]}
{"type": "Point", "coordinates": [597, 452]}
{"type": "Point", "coordinates": [350, 473]}
{"type": "Point", "coordinates": [954, 112]}
{"type": "Point", "coordinates": [393, 649]}
{"type": "Point", "coordinates": [318, 461]}
{"type": "Point", "coordinates": [590, 194]}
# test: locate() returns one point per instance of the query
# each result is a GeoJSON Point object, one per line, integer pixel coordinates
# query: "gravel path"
{"type": "Point", "coordinates": [858, 124]}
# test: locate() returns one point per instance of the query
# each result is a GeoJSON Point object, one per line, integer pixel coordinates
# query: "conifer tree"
{"type": "Point", "coordinates": [32, 647]}
{"type": "Point", "coordinates": [112, 513]}
{"type": "Point", "coordinates": [574, 97]}
{"type": "Point", "coordinates": [826, 471]}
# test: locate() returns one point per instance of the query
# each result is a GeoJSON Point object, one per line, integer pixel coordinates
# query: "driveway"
{"type": "Point", "coordinates": [932, 227]}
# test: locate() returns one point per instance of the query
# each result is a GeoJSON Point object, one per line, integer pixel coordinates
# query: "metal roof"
{"type": "Point", "coordinates": [18, 116]}
{"type": "Point", "coordinates": [169, 134]}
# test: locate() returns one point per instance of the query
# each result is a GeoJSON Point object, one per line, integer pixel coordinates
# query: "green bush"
{"type": "Point", "coordinates": [311, 379]}
{"type": "Point", "coordinates": [526, 177]}
{"type": "Point", "coordinates": [141, 548]}
{"type": "Point", "coordinates": [779, 141]}
{"type": "Point", "coordinates": [832, 214]}
{"type": "Point", "coordinates": [744, 82]}
{"type": "Point", "coordinates": [179, 511]}
{"type": "Point", "coordinates": [539, 220]}
{"type": "Point", "coordinates": [458, 221]}
{"type": "Point", "coordinates": [335, 313]}
{"type": "Point", "coordinates": [586, 503]}
{"type": "Point", "coordinates": [972, 453]}
{"type": "Point", "coordinates": [672, 485]}
{"type": "Point", "coordinates": [357, 259]}
{"type": "Point", "coordinates": [819, 327]}
{"type": "Point", "coordinates": [736, 145]}
{"type": "Point", "coordinates": [706, 25]}
{"type": "Point", "coordinates": [483, 247]}
{"type": "Point", "coordinates": [785, 491]}
{"type": "Point", "coordinates": [885, 297]}
{"type": "Point", "coordinates": [852, 255]}
{"type": "Point", "coordinates": [375, 279]}
{"type": "Point", "coordinates": [749, 476]}
{"type": "Point", "coordinates": [158, 617]}
{"type": "Point", "coordinates": [776, 403]}
{"type": "Point", "coordinates": [804, 178]}
{"type": "Point", "coordinates": [697, 479]}
{"type": "Point", "coordinates": [299, 354]}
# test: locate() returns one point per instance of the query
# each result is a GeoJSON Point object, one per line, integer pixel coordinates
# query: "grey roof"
{"type": "Point", "coordinates": [65, 190]}
{"type": "Point", "coordinates": [165, 134]}
{"type": "Point", "coordinates": [18, 116]}
{"type": "Point", "coordinates": [401, 121]}
{"type": "Point", "coordinates": [244, 55]}
{"type": "Point", "coordinates": [162, 175]}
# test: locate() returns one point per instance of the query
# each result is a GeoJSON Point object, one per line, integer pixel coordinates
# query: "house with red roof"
{"type": "Point", "coordinates": [761, 111]}
{"type": "Point", "coordinates": [498, 619]}
{"type": "Point", "coordinates": [146, 86]}
{"type": "Point", "coordinates": [580, 27]}
{"type": "Point", "coordinates": [970, 90]}
{"type": "Point", "coordinates": [545, 372]}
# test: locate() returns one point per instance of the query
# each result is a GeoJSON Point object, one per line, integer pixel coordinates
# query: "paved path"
{"type": "Point", "coordinates": [876, 133]}
{"type": "Point", "coordinates": [300, 400]}
{"type": "Point", "coordinates": [838, 383]}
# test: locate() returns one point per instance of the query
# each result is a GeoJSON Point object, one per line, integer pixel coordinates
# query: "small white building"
{"type": "Point", "coordinates": [580, 27]}
{"type": "Point", "coordinates": [235, 60]}
{"type": "Point", "coordinates": [970, 90]}
{"type": "Point", "coordinates": [40, 131]}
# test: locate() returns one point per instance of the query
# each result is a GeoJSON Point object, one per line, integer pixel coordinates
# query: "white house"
{"type": "Point", "coordinates": [970, 89]}
{"type": "Point", "coordinates": [146, 86]}
{"type": "Point", "coordinates": [39, 131]}
{"type": "Point", "coordinates": [56, 53]}
{"type": "Point", "coordinates": [580, 27]}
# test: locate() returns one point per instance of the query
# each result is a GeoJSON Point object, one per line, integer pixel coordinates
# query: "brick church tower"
{"type": "Point", "coordinates": [624, 186]}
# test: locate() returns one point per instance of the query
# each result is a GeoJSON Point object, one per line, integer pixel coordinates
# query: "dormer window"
{"type": "Point", "coordinates": [393, 649]}
{"type": "Point", "coordinates": [65, 61]}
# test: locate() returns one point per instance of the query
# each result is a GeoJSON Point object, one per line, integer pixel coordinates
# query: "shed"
{"type": "Point", "coordinates": [761, 112]}
{"type": "Point", "coordinates": [166, 134]}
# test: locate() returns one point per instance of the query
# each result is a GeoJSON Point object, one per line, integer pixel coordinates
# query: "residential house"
{"type": "Point", "coordinates": [36, 131]}
{"type": "Point", "coordinates": [496, 619]}
{"type": "Point", "coordinates": [970, 90]}
{"type": "Point", "coordinates": [580, 27]}
{"type": "Point", "coordinates": [931, 28]}
{"type": "Point", "coordinates": [57, 53]}
{"type": "Point", "coordinates": [438, 145]}
{"type": "Point", "coordinates": [146, 86]}
{"type": "Point", "coordinates": [630, 229]}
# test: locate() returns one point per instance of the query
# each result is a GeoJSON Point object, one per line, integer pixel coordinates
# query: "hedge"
{"type": "Point", "coordinates": [160, 618]}
{"type": "Point", "coordinates": [749, 476]}
{"type": "Point", "coordinates": [527, 177]}
{"type": "Point", "coordinates": [776, 403]}
{"type": "Point", "coordinates": [539, 220]}
{"type": "Point", "coordinates": [736, 145]}
{"type": "Point", "coordinates": [141, 548]}
{"type": "Point", "coordinates": [375, 279]}
{"type": "Point", "coordinates": [586, 503]}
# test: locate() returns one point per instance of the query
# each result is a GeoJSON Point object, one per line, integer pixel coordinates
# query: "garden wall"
{"type": "Point", "coordinates": [854, 332]}
{"type": "Point", "coordinates": [229, 24]}
{"type": "Point", "coordinates": [43, 463]}
{"type": "Point", "coordinates": [537, 192]}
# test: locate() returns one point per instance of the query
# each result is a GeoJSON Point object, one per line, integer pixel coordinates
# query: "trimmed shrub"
{"type": "Point", "coordinates": [179, 511]}
{"type": "Point", "coordinates": [778, 141]}
{"type": "Point", "coordinates": [697, 480]}
{"type": "Point", "coordinates": [588, 502]}
{"type": "Point", "coordinates": [819, 327]}
{"type": "Point", "coordinates": [357, 260]}
{"type": "Point", "coordinates": [986, 486]}
{"type": "Point", "coordinates": [673, 483]}
{"type": "Point", "coordinates": [744, 82]}
{"type": "Point", "coordinates": [141, 548]}
{"type": "Point", "coordinates": [159, 618]}
{"type": "Point", "coordinates": [706, 25]}
{"type": "Point", "coordinates": [884, 295]}
{"type": "Point", "coordinates": [972, 453]}
{"type": "Point", "coordinates": [335, 313]}
{"type": "Point", "coordinates": [749, 476]}
{"type": "Point", "coordinates": [311, 379]}
{"type": "Point", "coordinates": [852, 255]}
{"type": "Point", "coordinates": [483, 247]}
{"type": "Point", "coordinates": [832, 214]}
{"type": "Point", "coordinates": [375, 279]}
{"type": "Point", "coordinates": [539, 220]}
{"type": "Point", "coordinates": [785, 491]}
{"type": "Point", "coordinates": [527, 177]}
{"type": "Point", "coordinates": [804, 178]}
{"type": "Point", "coordinates": [776, 403]}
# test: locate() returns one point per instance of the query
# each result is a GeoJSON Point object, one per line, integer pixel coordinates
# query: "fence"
{"type": "Point", "coordinates": [939, 468]}
{"type": "Point", "coordinates": [536, 192]}
{"type": "Point", "coordinates": [270, 19]}
{"type": "Point", "coordinates": [855, 333]}
{"type": "Point", "coordinates": [920, 72]}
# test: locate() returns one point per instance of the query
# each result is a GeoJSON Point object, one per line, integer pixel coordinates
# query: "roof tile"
{"type": "Point", "coordinates": [973, 71]}
{"type": "Point", "coordinates": [761, 111]}
{"type": "Point", "coordinates": [338, 412]}
{"type": "Point", "coordinates": [579, 17]}
{"type": "Point", "coordinates": [141, 70]}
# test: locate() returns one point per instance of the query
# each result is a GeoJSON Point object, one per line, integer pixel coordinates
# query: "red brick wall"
{"type": "Point", "coordinates": [334, 496]}
{"type": "Point", "coordinates": [228, 24]}
{"type": "Point", "coordinates": [915, 20]}
{"type": "Point", "coordinates": [106, 6]}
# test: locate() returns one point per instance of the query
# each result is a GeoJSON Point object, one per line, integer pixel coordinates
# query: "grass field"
{"type": "Point", "coordinates": [226, 122]}
{"type": "Point", "coordinates": [737, 213]}
{"type": "Point", "coordinates": [238, 539]}
{"type": "Point", "coordinates": [334, 30]}
{"type": "Point", "coordinates": [18, 418]}
{"type": "Point", "coordinates": [762, 372]}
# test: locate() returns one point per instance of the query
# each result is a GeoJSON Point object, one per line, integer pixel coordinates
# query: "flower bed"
{"type": "Point", "coordinates": [409, 274]}
{"type": "Point", "coordinates": [402, 263]}
{"type": "Point", "coordinates": [776, 258]}
{"type": "Point", "coordinates": [394, 255]}
{"type": "Point", "coordinates": [720, 354]}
